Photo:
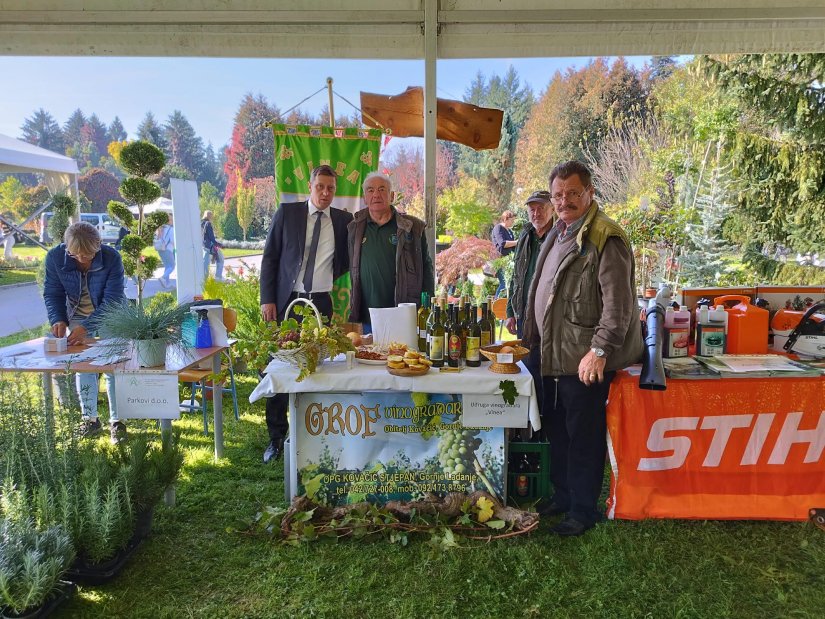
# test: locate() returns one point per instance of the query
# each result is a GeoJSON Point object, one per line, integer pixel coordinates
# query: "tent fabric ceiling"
{"type": "Point", "coordinates": [369, 29]}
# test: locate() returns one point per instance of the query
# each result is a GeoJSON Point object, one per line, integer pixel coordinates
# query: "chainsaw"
{"type": "Point", "coordinates": [808, 337]}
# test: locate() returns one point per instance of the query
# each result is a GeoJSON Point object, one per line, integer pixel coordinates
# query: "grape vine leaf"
{"type": "Point", "coordinates": [496, 524]}
{"type": "Point", "coordinates": [485, 509]}
{"type": "Point", "coordinates": [508, 391]}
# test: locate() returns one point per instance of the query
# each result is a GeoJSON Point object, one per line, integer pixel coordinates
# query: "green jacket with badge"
{"type": "Point", "coordinates": [413, 266]}
{"type": "Point", "coordinates": [575, 319]}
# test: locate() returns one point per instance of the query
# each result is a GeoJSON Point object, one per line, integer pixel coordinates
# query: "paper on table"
{"type": "Point", "coordinates": [394, 324]}
{"type": "Point", "coordinates": [758, 363]}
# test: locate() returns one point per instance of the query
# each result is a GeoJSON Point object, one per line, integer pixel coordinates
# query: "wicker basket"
{"type": "Point", "coordinates": [299, 356]}
{"type": "Point", "coordinates": [519, 353]}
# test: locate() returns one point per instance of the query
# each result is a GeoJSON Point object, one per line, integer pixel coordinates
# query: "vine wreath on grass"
{"type": "Point", "coordinates": [478, 516]}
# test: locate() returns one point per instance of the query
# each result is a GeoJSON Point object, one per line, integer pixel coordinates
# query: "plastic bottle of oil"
{"type": "Point", "coordinates": [710, 331]}
{"type": "Point", "coordinates": [677, 332]}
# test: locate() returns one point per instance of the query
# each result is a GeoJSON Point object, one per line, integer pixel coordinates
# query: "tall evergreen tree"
{"type": "Point", "coordinates": [253, 114]}
{"type": "Point", "coordinates": [42, 130]}
{"type": "Point", "coordinates": [98, 134]}
{"type": "Point", "coordinates": [150, 131]}
{"type": "Point", "coordinates": [778, 150]}
{"type": "Point", "coordinates": [496, 166]}
{"type": "Point", "coordinates": [702, 264]}
{"type": "Point", "coordinates": [183, 147]}
{"type": "Point", "coordinates": [72, 129]}
{"type": "Point", "coordinates": [661, 67]}
{"type": "Point", "coordinates": [116, 131]}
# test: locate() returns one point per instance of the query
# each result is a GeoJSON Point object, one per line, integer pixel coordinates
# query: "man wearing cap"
{"type": "Point", "coordinates": [540, 215]}
{"type": "Point", "coordinates": [305, 251]}
{"type": "Point", "coordinates": [505, 243]}
{"type": "Point", "coordinates": [582, 313]}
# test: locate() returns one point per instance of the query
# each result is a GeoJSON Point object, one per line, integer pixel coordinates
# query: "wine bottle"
{"type": "Point", "coordinates": [484, 325]}
{"type": "Point", "coordinates": [454, 340]}
{"type": "Point", "coordinates": [423, 315]}
{"type": "Point", "coordinates": [430, 321]}
{"type": "Point", "coordinates": [436, 350]}
{"type": "Point", "coordinates": [473, 340]}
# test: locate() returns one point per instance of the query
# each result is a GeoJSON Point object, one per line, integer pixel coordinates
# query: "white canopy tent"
{"type": "Point", "coordinates": [161, 204]}
{"type": "Point", "coordinates": [426, 29]}
{"type": "Point", "coordinates": [19, 157]}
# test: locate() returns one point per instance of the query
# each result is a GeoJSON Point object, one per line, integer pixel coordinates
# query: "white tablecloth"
{"type": "Point", "coordinates": [333, 377]}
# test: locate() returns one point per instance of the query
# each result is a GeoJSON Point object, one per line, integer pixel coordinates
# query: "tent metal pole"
{"type": "Point", "coordinates": [430, 58]}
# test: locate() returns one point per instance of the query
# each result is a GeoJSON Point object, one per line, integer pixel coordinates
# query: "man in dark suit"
{"type": "Point", "coordinates": [306, 250]}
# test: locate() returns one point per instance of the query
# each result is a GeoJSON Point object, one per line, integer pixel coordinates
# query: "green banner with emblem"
{"type": "Point", "coordinates": [351, 152]}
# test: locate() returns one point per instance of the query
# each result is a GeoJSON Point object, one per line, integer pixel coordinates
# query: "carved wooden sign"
{"type": "Point", "coordinates": [464, 123]}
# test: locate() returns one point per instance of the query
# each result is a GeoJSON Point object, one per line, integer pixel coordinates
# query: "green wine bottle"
{"type": "Point", "coordinates": [436, 349]}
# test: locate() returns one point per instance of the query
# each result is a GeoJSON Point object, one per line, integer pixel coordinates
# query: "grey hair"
{"type": "Point", "coordinates": [373, 175]}
{"type": "Point", "coordinates": [82, 237]}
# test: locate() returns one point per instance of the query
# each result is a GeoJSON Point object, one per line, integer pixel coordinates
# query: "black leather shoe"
{"type": "Point", "coordinates": [273, 451]}
{"type": "Point", "coordinates": [550, 509]}
{"type": "Point", "coordinates": [570, 527]}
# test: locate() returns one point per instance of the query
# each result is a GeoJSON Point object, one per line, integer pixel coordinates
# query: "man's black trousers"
{"type": "Point", "coordinates": [276, 407]}
{"type": "Point", "coordinates": [575, 416]}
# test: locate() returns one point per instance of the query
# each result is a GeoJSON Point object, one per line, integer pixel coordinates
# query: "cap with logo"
{"type": "Point", "coordinates": [539, 196]}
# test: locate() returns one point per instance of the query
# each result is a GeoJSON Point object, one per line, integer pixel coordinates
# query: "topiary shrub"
{"type": "Point", "coordinates": [140, 159]}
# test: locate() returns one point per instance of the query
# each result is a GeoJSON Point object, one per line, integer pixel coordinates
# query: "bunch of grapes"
{"type": "Point", "coordinates": [288, 340]}
{"type": "Point", "coordinates": [456, 449]}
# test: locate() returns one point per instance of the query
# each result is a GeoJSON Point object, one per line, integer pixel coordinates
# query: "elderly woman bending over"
{"type": "Point", "coordinates": [82, 276]}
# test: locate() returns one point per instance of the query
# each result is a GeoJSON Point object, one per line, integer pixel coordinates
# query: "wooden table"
{"type": "Point", "coordinates": [30, 357]}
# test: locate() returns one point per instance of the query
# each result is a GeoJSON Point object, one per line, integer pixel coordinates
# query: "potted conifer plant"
{"type": "Point", "coordinates": [147, 330]}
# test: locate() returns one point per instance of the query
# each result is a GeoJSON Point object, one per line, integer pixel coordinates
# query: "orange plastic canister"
{"type": "Point", "coordinates": [747, 325]}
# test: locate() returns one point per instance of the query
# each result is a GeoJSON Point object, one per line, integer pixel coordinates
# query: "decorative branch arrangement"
{"type": "Point", "coordinates": [478, 516]}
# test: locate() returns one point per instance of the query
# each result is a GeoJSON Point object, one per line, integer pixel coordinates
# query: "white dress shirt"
{"type": "Point", "coordinates": [322, 276]}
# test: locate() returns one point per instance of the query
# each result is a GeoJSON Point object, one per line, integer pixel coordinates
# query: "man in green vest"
{"type": "Point", "coordinates": [582, 312]}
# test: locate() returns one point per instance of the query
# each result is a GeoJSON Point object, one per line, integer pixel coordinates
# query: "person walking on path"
{"type": "Point", "coordinates": [211, 248]}
{"type": "Point", "coordinates": [165, 245]}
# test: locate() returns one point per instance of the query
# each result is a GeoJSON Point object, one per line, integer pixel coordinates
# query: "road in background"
{"type": "Point", "coordinates": [22, 307]}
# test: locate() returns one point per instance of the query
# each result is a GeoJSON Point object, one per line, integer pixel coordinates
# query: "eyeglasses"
{"type": "Point", "coordinates": [80, 257]}
{"type": "Point", "coordinates": [573, 194]}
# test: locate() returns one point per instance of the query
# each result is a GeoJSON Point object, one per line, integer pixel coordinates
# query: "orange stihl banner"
{"type": "Point", "coordinates": [751, 448]}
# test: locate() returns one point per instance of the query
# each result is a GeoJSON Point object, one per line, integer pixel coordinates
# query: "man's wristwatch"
{"type": "Point", "coordinates": [599, 352]}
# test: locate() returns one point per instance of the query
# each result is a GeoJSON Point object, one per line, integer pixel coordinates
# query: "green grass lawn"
{"type": "Point", "coordinates": [195, 564]}
{"type": "Point", "coordinates": [16, 276]}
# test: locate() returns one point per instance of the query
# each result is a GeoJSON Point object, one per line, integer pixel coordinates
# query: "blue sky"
{"type": "Point", "coordinates": [209, 90]}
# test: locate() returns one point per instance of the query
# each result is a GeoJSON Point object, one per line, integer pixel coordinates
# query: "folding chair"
{"type": "Point", "coordinates": [500, 312]}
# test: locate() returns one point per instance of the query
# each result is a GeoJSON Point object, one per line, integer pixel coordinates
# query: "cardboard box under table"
{"type": "Point", "coordinates": [364, 434]}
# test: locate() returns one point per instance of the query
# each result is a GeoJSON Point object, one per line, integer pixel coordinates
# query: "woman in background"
{"type": "Point", "coordinates": [165, 246]}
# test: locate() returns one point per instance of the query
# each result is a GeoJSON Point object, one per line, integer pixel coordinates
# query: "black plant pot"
{"type": "Point", "coordinates": [143, 522]}
{"type": "Point", "coordinates": [83, 573]}
{"type": "Point", "coordinates": [64, 591]}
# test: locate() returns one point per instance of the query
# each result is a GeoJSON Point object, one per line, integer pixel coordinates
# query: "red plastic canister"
{"type": "Point", "coordinates": [747, 325]}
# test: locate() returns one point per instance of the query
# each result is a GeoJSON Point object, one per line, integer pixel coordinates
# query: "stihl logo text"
{"type": "Point", "coordinates": [755, 427]}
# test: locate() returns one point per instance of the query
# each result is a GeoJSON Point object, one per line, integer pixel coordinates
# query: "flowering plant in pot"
{"type": "Point", "coordinates": [147, 330]}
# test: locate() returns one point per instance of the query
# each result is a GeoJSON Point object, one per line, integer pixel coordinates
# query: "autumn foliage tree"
{"type": "Point", "coordinates": [465, 254]}
{"type": "Point", "coordinates": [99, 186]}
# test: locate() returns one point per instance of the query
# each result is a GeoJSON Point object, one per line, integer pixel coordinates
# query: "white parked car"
{"type": "Point", "coordinates": [107, 227]}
